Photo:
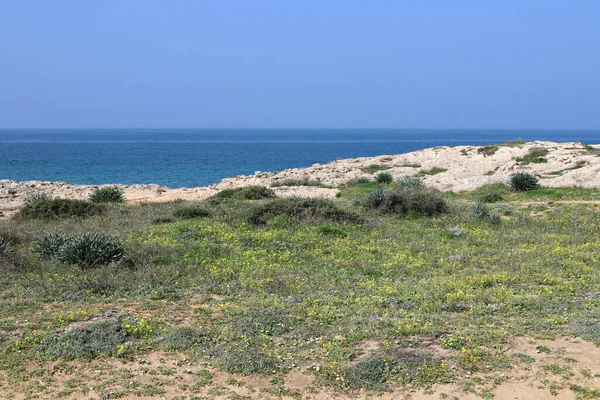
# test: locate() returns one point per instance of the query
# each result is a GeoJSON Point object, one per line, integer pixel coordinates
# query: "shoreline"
{"type": "Point", "coordinates": [447, 168]}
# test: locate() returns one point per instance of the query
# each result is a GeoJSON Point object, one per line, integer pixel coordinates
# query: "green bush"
{"type": "Point", "coordinates": [407, 201]}
{"type": "Point", "coordinates": [535, 155]}
{"type": "Point", "coordinates": [107, 195]}
{"type": "Point", "coordinates": [184, 337]}
{"type": "Point", "coordinates": [384, 177]}
{"type": "Point", "coordinates": [409, 182]}
{"type": "Point", "coordinates": [85, 342]}
{"type": "Point", "coordinates": [242, 193]}
{"type": "Point", "coordinates": [43, 207]}
{"type": "Point", "coordinates": [523, 182]}
{"type": "Point", "coordinates": [90, 250]}
{"type": "Point", "coordinates": [49, 244]}
{"type": "Point", "coordinates": [301, 210]}
{"type": "Point", "coordinates": [491, 193]}
{"type": "Point", "coordinates": [191, 212]}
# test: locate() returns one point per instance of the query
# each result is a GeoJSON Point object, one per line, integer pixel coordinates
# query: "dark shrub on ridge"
{"type": "Point", "coordinates": [384, 177]}
{"type": "Point", "coordinates": [407, 201]}
{"type": "Point", "coordinates": [301, 210]}
{"type": "Point", "coordinates": [190, 212]}
{"type": "Point", "coordinates": [42, 207]}
{"type": "Point", "coordinates": [523, 182]}
{"type": "Point", "coordinates": [243, 193]}
{"type": "Point", "coordinates": [107, 195]}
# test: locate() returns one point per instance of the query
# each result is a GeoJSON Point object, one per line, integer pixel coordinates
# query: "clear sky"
{"type": "Point", "coordinates": [300, 63]}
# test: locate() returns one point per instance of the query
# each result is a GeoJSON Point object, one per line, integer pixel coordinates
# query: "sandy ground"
{"type": "Point", "coordinates": [568, 164]}
{"type": "Point", "coordinates": [536, 379]}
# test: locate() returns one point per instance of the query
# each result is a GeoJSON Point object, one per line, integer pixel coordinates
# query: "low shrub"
{"type": "Point", "coordinates": [369, 373]}
{"type": "Point", "coordinates": [271, 323]}
{"type": "Point", "coordinates": [535, 155]}
{"type": "Point", "coordinates": [523, 182]}
{"type": "Point", "coordinates": [409, 182]}
{"type": "Point", "coordinates": [162, 220]}
{"type": "Point", "coordinates": [43, 207]}
{"type": "Point", "coordinates": [110, 194]}
{"type": "Point", "coordinates": [491, 193]}
{"type": "Point", "coordinates": [191, 212]}
{"type": "Point", "coordinates": [384, 177]}
{"type": "Point", "coordinates": [85, 342]}
{"type": "Point", "coordinates": [488, 150]}
{"type": "Point", "coordinates": [247, 361]}
{"type": "Point", "coordinates": [296, 182]}
{"type": "Point", "coordinates": [480, 212]}
{"type": "Point", "coordinates": [407, 201]}
{"type": "Point", "coordinates": [301, 210]}
{"type": "Point", "coordinates": [90, 250]}
{"type": "Point", "coordinates": [49, 244]}
{"type": "Point", "coordinates": [243, 193]}
{"type": "Point", "coordinates": [184, 337]}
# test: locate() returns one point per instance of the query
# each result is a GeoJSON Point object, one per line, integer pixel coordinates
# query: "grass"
{"type": "Point", "coordinates": [535, 155]}
{"type": "Point", "coordinates": [432, 171]}
{"type": "Point", "coordinates": [354, 298]}
{"type": "Point", "coordinates": [371, 169]}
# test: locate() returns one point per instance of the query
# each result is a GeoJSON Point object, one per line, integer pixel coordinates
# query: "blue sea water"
{"type": "Point", "coordinates": [199, 157]}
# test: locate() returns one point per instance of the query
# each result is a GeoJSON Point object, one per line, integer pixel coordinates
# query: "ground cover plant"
{"type": "Point", "coordinates": [262, 290]}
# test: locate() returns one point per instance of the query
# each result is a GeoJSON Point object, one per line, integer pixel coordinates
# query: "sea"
{"type": "Point", "coordinates": [199, 157]}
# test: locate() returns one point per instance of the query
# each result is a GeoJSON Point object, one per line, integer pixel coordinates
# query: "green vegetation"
{"type": "Point", "coordinates": [107, 195]}
{"type": "Point", "coordinates": [488, 150]}
{"type": "Point", "coordinates": [407, 201]}
{"type": "Point", "coordinates": [243, 193]}
{"type": "Point", "coordinates": [190, 212]}
{"type": "Point", "coordinates": [535, 155]}
{"type": "Point", "coordinates": [42, 207]}
{"type": "Point", "coordinates": [523, 182]}
{"type": "Point", "coordinates": [432, 171]}
{"type": "Point", "coordinates": [371, 169]}
{"type": "Point", "coordinates": [349, 291]}
{"type": "Point", "coordinates": [384, 177]}
{"type": "Point", "coordinates": [297, 182]}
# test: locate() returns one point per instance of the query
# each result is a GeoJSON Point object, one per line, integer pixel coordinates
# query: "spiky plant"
{"type": "Point", "coordinates": [523, 182]}
{"type": "Point", "coordinates": [111, 194]}
{"type": "Point", "coordinates": [90, 250]}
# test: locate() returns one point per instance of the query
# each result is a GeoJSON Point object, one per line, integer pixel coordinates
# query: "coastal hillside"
{"type": "Point", "coordinates": [445, 168]}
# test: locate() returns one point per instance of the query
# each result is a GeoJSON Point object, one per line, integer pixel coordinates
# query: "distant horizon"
{"type": "Point", "coordinates": [303, 129]}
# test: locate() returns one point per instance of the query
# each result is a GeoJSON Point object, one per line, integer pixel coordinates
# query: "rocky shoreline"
{"type": "Point", "coordinates": [445, 168]}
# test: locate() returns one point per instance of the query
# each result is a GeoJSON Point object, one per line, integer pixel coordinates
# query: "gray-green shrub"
{"type": "Point", "coordinates": [43, 207]}
{"type": "Point", "coordinates": [302, 210]}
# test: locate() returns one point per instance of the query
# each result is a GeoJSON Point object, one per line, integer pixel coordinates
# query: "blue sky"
{"type": "Point", "coordinates": [303, 63]}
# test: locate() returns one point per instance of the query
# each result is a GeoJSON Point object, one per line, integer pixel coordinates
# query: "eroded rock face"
{"type": "Point", "coordinates": [462, 168]}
